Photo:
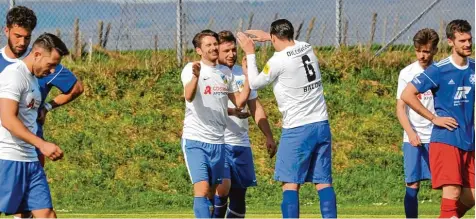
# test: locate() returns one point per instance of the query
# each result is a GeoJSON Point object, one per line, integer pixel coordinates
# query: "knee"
{"type": "Point", "coordinates": [322, 186]}
{"type": "Point", "coordinates": [451, 192]}
{"type": "Point", "coordinates": [224, 188]}
{"type": "Point", "coordinates": [413, 185]}
{"type": "Point", "coordinates": [201, 189]}
{"type": "Point", "coordinates": [290, 186]}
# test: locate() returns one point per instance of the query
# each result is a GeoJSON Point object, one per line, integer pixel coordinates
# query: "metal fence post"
{"type": "Point", "coordinates": [407, 27]}
{"type": "Point", "coordinates": [12, 3]}
{"type": "Point", "coordinates": [179, 32]}
{"type": "Point", "coordinates": [338, 22]}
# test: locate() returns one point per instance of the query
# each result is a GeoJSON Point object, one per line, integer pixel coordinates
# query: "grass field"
{"type": "Point", "coordinates": [426, 210]}
{"type": "Point", "coordinates": [122, 139]}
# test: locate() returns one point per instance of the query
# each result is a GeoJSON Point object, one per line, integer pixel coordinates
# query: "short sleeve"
{"type": "Point", "coordinates": [427, 80]}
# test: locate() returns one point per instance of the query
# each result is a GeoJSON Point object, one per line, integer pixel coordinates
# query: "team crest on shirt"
{"type": "Point", "coordinates": [471, 79]}
{"type": "Point", "coordinates": [223, 77]}
{"type": "Point", "coordinates": [240, 84]}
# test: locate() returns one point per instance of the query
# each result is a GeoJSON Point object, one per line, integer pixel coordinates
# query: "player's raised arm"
{"type": "Point", "coordinates": [190, 80]}
{"type": "Point", "coordinates": [256, 80]}
{"type": "Point", "coordinates": [259, 35]}
{"type": "Point", "coordinates": [240, 98]}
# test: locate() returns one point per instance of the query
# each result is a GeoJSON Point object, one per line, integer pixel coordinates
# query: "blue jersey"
{"type": "Point", "coordinates": [6, 61]}
{"type": "Point", "coordinates": [453, 90]}
{"type": "Point", "coordinates": [62, 78]}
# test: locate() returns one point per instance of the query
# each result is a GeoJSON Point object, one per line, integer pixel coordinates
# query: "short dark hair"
{"type": "Point", "coordinates": [21, 16]}
{"type": "Point", "coordinates": [197, 39]}
{"type": "Point", "coordinates": [226, 36]}
{"type": "Point", "coordinates": [425, 36]}
{"type": "Point", "coordinates": [49, 42]}
{"type": "Point", "coordinates": [283, 29]}
{"type": "Point", "coordinates": [454, 26]}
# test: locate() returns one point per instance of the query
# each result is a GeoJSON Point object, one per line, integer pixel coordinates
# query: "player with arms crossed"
{"type": "Point", "coordinates": [452, 139]}
{"type": "Point", "coordinates": [23, 186]}
{"type": "Point", "coordinates": [417, 130]}
{"type": "Point", "coordinates": [304, 153]}
{"type": "Point", "coordinates": [239, 167]}
{"type": "Point", "coordinates": [207, 89]}
{"type": "Point", "coordinates": [20, 22]}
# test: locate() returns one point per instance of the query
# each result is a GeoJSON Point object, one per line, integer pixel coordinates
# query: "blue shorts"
{"type": "Point", "coordinates": [305, 154]}
{"type": "Point", "coordinates": [416, 162]}
{"type": "Point", "coordinates": [205, 162]}
{"type": "Point", "coordinates": [239, 166]}
{"type": "Point", "coordinates": [23, 187]}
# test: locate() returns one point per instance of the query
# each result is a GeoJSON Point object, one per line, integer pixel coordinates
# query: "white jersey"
{"type": "Point", "coordinates": [422, 126]}
{"type": "Point", "coordinates": [19, 84]}
{"type": "Point", "coordinates": [236, 133]}
{"type": "Point", "coordinates": [205, 117]}
{"type": "Point", "coordinates": [297, 84]}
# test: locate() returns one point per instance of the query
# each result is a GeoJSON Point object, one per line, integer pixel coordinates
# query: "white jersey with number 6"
{"type": "Point", "coordinates": [297, 84]}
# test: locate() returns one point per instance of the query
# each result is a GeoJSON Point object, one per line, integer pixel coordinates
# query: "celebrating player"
{"type": "Point", "coordinates": [304, 153]}
{"type": "Point", "coordinates": [207, 90]}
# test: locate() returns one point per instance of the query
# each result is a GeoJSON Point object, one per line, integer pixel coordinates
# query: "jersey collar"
{"type": "Point", "coordinates": [458, 66]}
{"type": "Point", "coordinates": [4, 55]}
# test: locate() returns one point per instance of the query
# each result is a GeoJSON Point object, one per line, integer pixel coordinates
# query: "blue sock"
{"type": "Point", "coordinates": [328, 205]}
{"type": "Point", "coordinates": [290, 204]}
{"type": "Point", "coordinates": [220, 206]}
{"type": "Point", "coordinates": [411, 202]}
{"type": "Point", "coordinates": [201, 207]}
{"type": "Point", "coordinates": [237, 208]}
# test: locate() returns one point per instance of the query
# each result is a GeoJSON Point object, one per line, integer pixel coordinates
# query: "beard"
{"type": "Point", "coordinates": [462, 53]}
{"type": "Point", "coordinates": [14, 50]}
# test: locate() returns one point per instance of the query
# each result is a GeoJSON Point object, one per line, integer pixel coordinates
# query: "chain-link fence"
{"type": "Point", "coordinates": [150, 24]}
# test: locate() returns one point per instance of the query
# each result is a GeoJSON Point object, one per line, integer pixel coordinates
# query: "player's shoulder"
{"type": "Point", "coordinates": [443, 62]}
{"type": "Point", "coordinates": [187, 67]}
{"type": "Point", "coordinates": [15, 71]}
{"type": "Point", "coordinates": [225, 70]}
{"type": "Point", "coordinates": [237, 70]}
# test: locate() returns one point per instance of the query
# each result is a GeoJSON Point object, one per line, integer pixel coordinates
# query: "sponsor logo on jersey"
{"type": "Point", "coordinates": [462, 92]}
{"type": "Point", "coordinates": [451, 82]}
{"type": "Point", "coordinates": [428, 95]}
{"type": "Point", "coordinates": [460, 96]}
{"type": "Point", "coordinates": [471, 79]}
{"type": "Point", "coordinates": [208, 90]}
{"type": "Point", "coordinates": [266, 69]}
{"type": "Point", "coordinates": [216, 90]}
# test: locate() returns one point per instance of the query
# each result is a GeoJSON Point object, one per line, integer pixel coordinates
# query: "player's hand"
{"type": "Point", "coordinates": [271, 147]}
{"type": "Point", "coordinates": [246, 43]}
{"type": "Point", "coordinates": [445, 122]}
{"type": "Point", "coordinates": [259, 35]}
{"type": "Point", "coordinates": [414, 139]}
{"type": "Point", "coordinates": [42, 116]}
{"type": "Point", "coordinates": [244, 66]}
{"type": "Point", "coordinates": [243, 115]}
{"type": "Point", "coordinates": [238, 113]}
{"type": "Point", "coordinates": [196, 68]}
{"type": "Point", "coordinates": [52, 151]}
